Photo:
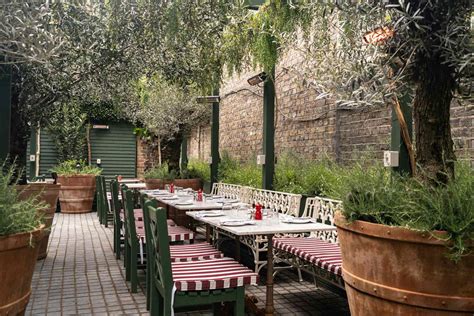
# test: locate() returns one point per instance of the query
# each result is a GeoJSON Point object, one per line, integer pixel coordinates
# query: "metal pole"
{"type": "Point", "coordinates": [397, 143]}
{"type": "Point", "coordinates": [215, 141]}
{"type": "Point", "coordinates": [269, 131]}
{"type": "Point", "coordinates": [5, 110]}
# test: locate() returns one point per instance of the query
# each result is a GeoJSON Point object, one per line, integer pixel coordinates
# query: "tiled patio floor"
{"type": "Point", "coordinates": [80, 276]}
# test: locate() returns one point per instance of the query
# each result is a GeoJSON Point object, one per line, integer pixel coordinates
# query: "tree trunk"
{"type": "Point", "coordinates": [171, 150]}
{"type": "Point", "coordinates": [434, 145]}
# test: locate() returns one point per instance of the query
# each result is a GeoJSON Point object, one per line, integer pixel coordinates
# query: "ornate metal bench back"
{"type": "Point", "coordinates": [231, 191]}
{"type": "Point", "coordinates": [286, 203]}
{"type": "Point", "coordinates": [323, 209]}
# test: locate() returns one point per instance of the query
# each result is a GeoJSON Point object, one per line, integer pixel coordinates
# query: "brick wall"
{"type": "Point", "coordinates": [141, 157]}
{"type": "Point", "coordinates": [310, 127]}
{"type": "Point", "coordinates": [199, 143]}
{"type": "Point", "coordinates": [462, 130]}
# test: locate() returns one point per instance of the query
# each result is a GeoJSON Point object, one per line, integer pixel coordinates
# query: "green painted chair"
{"type": "Point", "coordinates": [98, 195]}
{"type": "Point", "coordinates": [116, 207]}
{"type": "Point", "coordinates": [134, 237]}
{"type": "Point", "coordinates": [107, 215]}
{"type": "Point", "coordinates": [192, 283]}
{"type": "Point", "coordinates": [178, 252]}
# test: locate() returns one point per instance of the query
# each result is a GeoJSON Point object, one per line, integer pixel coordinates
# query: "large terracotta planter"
{"type": "Point", "coordinates": [17, 262]}
{"type": "Point", "coordinates": [77, 193]}
{"type": "Point", "coordinates": [48, 193]}
{"type": "Point", "coordinates": [397, 271]}
{"type": "Point", "coordinates": [194, 184]}
{"type": "Point", "coordinates": [153, 184]}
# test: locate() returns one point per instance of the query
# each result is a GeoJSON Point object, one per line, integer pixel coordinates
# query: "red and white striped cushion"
{"type": "Point", "coordinates": [138, 212]}
{"type": "Point", "coordinates": [178, 233]}
{"type": "Point", "coordinates": [222, 273]}
{"type": "Point", "coordinates": [321, 253]}
{"type": "Point", "coordinates": [201, 251]}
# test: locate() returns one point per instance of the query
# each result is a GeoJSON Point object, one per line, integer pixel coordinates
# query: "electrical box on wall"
{"type": "Point", "coordinates": [32, 158]}
{"type": "Point", "coordinates": [99, 161]}
{"type": "Point", "coordinates": [260, 159]}
{"type": "Point", "coordinates": [390, 158]}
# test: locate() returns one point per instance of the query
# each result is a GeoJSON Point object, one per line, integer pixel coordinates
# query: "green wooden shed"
{"type": "Point", "coordinates": [113, 148]}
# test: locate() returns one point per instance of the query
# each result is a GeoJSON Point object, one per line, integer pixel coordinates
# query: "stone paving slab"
{"type": "Point", "coordinates": [81, 276]}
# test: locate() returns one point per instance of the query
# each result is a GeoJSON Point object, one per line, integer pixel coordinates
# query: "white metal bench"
{"type": "Point", "coordinates": [318, 253]}
{"type": "Point", "coordinates": [231, 191]}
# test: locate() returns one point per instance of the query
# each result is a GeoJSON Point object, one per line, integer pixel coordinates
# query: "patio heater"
{"type": "Point", "coordinates": [401, 120]}
{"type": "Point", "coordinates": [5, 110]}
{"type": "Point", "coordinates": [214, 159]}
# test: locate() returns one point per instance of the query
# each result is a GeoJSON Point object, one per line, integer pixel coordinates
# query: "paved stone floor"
{"type": "Point", "coordinates": [80, 276]}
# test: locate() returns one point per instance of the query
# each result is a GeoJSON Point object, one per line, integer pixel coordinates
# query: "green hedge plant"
{"type": "Point", "coordinates": [197, 169]}
{"type": "Point", "coordinates": [161, 172]}
{"type": "Point", "coordinates": [70, 168]}
{"type": "Point", "coordinates": [16, 216]}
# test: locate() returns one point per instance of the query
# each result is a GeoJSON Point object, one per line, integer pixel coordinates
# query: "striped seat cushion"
{"type": "Point", "coordinates": [175, 233]}
{"type": "Point", "coordinates": [222, 273]}
{"type": "Point", "coordinates": [201, 251]}
{"type": "Point", "coordinates": [320, 253]}
{"type": "Point", "coordinates": [178, 233]}
{"type": "Point", "coordinates": [138, 212]}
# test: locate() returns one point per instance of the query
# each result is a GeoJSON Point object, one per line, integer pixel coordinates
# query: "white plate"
{"type": "Point", "coordinates": [230, 200]}
{"type": "Point", "coordinates": [184, 203]}
{"type": "Point", "coordinates": [170, 198]}
{"type": "Point", "coordinates": [237, 223]}
{"type": "Point", "coordinates": [297, 220]}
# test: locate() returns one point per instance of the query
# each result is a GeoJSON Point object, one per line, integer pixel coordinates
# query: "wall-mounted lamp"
{"type": "Point", "coordinates": [255, 80]}
{"type": "Point", "coordinates": [208, 99]}
{"type": "Point", "coordinates": [379, 35]}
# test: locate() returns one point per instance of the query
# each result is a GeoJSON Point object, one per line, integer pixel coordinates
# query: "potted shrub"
{"type": "Point", "coordinates": [407, 246]}
{"type": "Point", "coordinates": [47, 193]}
{"type": "Point", "coordinates": [189, 178]}
{"type": "Point", "coordinates": [21, 231]}
{"type": "Point", "coordinates": [159, 176]}
{"type": "Point", "coordinates": [77, 186]}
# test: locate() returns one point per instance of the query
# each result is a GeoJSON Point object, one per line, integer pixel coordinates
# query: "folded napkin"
{"type": "Point", "coordinates": [292, 219]}
{"type": "Point", "coordinates": [236, 222]}
{"type": "Point", "coordinates": [209, 213]}
{"type": "Point", "coordinates": [170, 198]}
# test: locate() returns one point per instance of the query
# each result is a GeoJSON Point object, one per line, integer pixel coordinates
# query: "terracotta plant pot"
{"type": "Point", "coordinates": [17, 262]}
{"type": "Point", "coordinates": [77, 193]}
{"type": "Point", "coordinates": [48, 193]}
{"type": "Point", "coordinates": [153, 184]}
{"type": "Point", "coordinates": [194, 184]}
{"type": "Point", "coordinates": [397, 271]}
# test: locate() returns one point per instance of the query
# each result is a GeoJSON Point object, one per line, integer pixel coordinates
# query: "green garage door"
{"type": "Point", "coordinates": [116, 148]}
